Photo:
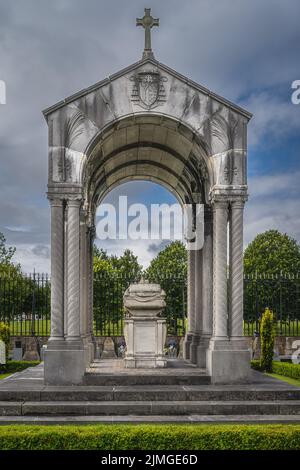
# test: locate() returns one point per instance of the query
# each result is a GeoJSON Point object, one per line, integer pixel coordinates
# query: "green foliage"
{"type": "Point", "coordinates": [17, 366]}
{"type": "Point", "coordinates": [169, 269]}
{"type": "Point", "coordinates": [272, 252]}
{"type": "Point", "coordinates": [281, 368]}
{"type": "Point", "coordinates": [151, 437]}
{"type": "Point", "coordinates": [287, 369]}
{"type": "Point", "coordinates": [5, 337]}
{"type": "Point", "coordinates": [267, 338]}
{"type": "Point", "coordinates": [6, 254]}
{"type": "Point", "coordinates": [112, 275]}
{"type": "Point", "coordinates": [272, 264]}
{"type": "Point", "coordinates": [256, 365]}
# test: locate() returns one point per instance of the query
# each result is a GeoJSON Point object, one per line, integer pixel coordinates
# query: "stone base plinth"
{"type": "Point", "coordinates": [145, 340]}
{"type": "Point", "coordinates": [228, 361]}
{"type": "Point", "coordinates": [64, 366]}
{"type": "Point", "coordinates": [202, 352]}
{"type": "Point", "coordinates": [194, 348]}
{"type": "Point", "coordinates": [144, 363]}
{"type": "Point", "coordinates": [187, 346]}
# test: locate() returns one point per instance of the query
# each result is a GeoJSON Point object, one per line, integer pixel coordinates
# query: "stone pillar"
{"type": "Point", "coordinates": [65, 360]}
{"type": "Point", "coordinates": [57, 270]}
{"type": "Point", "coordinates": [190, 304]}
{"type": "Point", "coordinates": [220, 313]}
{"type": "Point", "coordinates": [236, 269]}
{"type": "Point", "coordinates": [228, 358]}
{"type": "Point", "coordinates": [90, 284]}
{"type": "Point", "coordinates": [73, 270]}
{"type": "Point", "coordinates": [207, 288]}
{"type": "Point", "coordinates": [197, 317]}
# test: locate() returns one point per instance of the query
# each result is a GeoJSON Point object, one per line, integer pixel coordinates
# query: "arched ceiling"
{"type": "Point", "coordinates": [154, 148]}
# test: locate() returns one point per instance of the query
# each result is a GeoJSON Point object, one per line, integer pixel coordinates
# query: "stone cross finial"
{"type": "Point", "coordinates": [147, 22]}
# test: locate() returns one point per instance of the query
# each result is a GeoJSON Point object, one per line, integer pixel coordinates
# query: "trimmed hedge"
{"type": "Point", "coordinates": [287, 369]}
{"type": "Point", "coordinates": [150, 437]}
{"type": "Point", "coordinates": [281, 368]}
{"type": "Point", "coordinates": [17, 366]}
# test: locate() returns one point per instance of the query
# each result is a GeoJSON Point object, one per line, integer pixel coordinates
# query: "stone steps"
{"type": "Point", "coordinates": [103, 379]}
{"type": "Point", "coordinates": [147, 393]}
{"type": "Point", "coordinates": [151, 419]}
{"type": "Point", "coordinates": [148, 408]}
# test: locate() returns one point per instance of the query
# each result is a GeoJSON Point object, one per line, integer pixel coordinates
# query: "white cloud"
{"type": "Point", "coordinates": [274, 204]}
{"type": "Point", "coordinates": [273, 117]}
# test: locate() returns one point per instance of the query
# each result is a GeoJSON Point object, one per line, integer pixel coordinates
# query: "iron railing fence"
{"type": "Point", "coordinates": [280, 293]}
{"type": "Point", "coordinates": [25, 303]}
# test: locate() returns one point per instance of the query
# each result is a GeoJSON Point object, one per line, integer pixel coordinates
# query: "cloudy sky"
{"type": "Point", "coordinates": [245, 50]}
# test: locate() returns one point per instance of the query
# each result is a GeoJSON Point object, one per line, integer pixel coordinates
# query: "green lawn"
{"type": "Point", "coordinates": [3, 376]}
{"type": "Point", "coordinates": [42, 328]}
{"type": "Point", "coordinates": [285, 379]}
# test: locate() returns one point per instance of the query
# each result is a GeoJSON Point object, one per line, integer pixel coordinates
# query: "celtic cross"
{"type": "Point", "coordinates": [147, 22]}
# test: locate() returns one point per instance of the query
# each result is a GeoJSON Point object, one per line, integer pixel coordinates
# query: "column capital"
{"type": "Point", "coordinates": [238, 203]}
{"type": "Point", "coordinates": [220, 204]}
{"type": "Point", "coordinates": [55, 199]}
{"type": "Point", "coordinates": [74, 200]}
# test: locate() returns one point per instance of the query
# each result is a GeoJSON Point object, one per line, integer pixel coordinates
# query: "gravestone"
{"type": "Point", "coordinates": [144, 330]}
{"type": "Point", "coordinates": [108, 349]}
{"type": "Point", "coordinates": [2, 352]}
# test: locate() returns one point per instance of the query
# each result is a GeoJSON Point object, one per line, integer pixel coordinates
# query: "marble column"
{"type": "Point", "coordinates": [57, 270]}
{"type": "Point", "coordinates": [190, 304]}
{"type": "Point", "coordinates": [73, 269]}
{"type": "Point", "coordinates": [207, 288]}
{"type": "Point", "coordinates": [90, 291]}
{"type": "Point", "coordinates": [236, 269]}
{"type": "Point", "coordinates": [64, 361]}
{"type": "Point", "coordinates": [228, 356]}
{"type": "Point", "coordinates": [197, 323]}
{"type": "Point", "coordinates": [220, 313]}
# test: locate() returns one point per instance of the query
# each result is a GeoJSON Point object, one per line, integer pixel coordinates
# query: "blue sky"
{"type": "Point", "coordinates": [245, 50]}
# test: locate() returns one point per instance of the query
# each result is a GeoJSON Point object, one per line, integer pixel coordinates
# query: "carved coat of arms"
{"type": "Point", "coordinates": [148, 90]}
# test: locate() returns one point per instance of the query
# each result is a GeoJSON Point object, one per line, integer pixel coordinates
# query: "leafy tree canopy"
{"type": "Point", "coordinates": [7, 267]}
{"type": "Point", "coordinates": [272, 252]}
{"type": "Point", "coordinates": [170, 262]}
{"type": "Point", "coordinates": [125, 265]}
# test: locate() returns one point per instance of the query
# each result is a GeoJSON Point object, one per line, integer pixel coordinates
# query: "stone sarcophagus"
{"type": "Point", "coordinates": [145, 330]}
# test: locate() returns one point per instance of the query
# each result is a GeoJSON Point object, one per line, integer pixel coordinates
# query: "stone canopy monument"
{"type": "Point", "coordinates": [148, 122]}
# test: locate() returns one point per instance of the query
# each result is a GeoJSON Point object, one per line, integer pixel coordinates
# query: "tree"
{"type": "Point", "coordinates": [169, 269]}
{"type": "Point", "coordinates": [271, 253]}
{"type": "Point", "coordinates": [112, 275]}
{"type": "Point", "coordinates": [271, 264]}
{"type": "Point", "coordinates": [6, 253]}
{"type": "Point", "coordinates": [267, 335]}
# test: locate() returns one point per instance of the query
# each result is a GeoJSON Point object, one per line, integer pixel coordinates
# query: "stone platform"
{"type": "Point", "coordinates": [180, 393]}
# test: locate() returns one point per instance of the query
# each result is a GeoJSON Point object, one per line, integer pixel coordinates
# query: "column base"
{"type": "Point", "coordinates": [187, 346]}
{"type": "Point", "coordinates": [202, 351]}
{"type": "Point", "coordinates": [228, 361]}
{"type": "Point", "coordinates": [64, 366]}
{"type": "Point", "coordinates": [194, 348]}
